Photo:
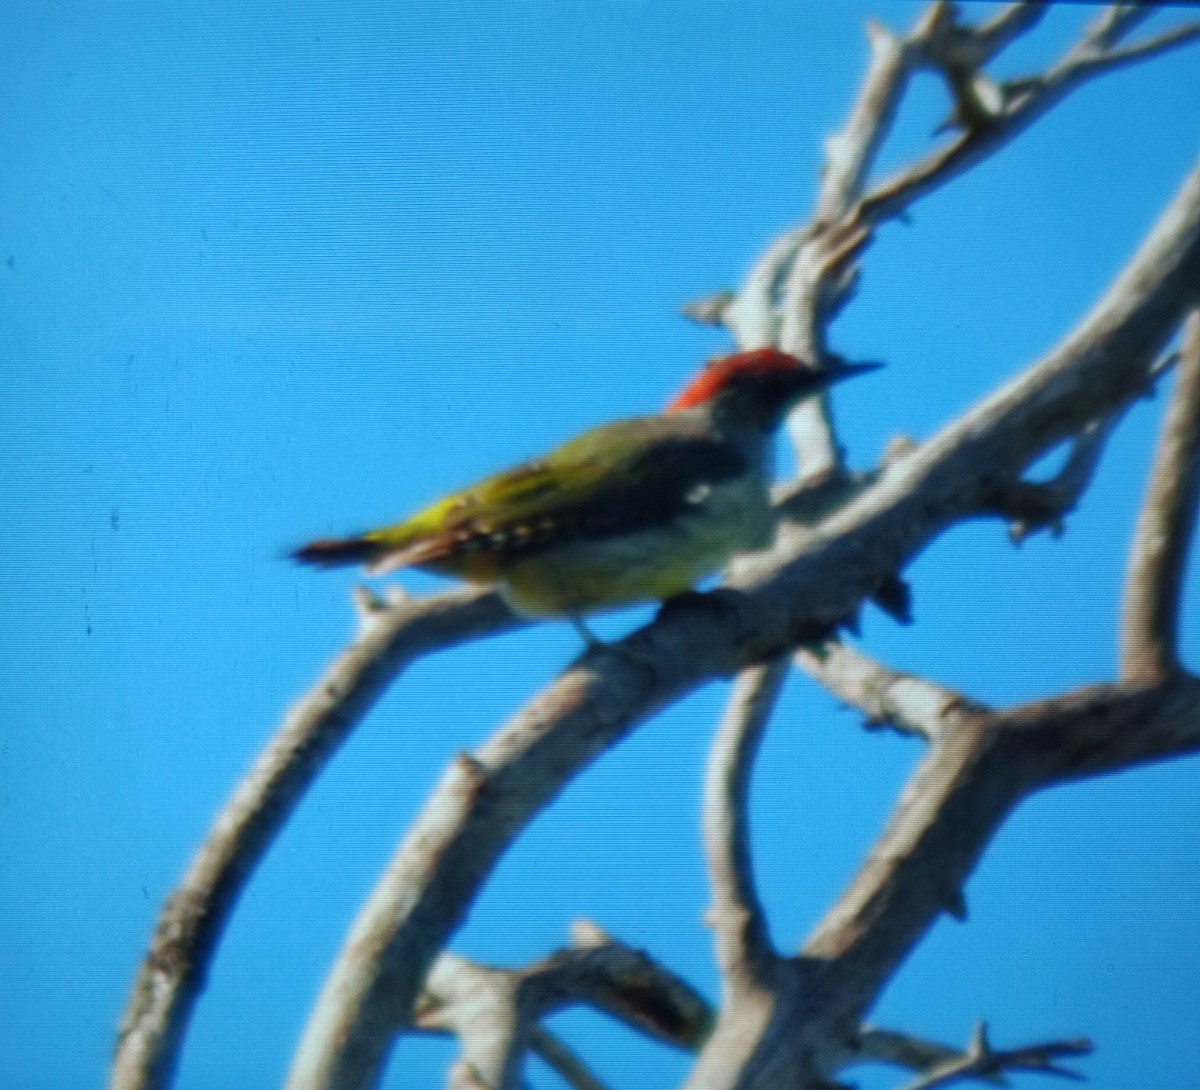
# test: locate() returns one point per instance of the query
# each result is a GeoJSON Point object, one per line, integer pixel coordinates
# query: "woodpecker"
{"type": "Point", "coordinates": [631, 511]}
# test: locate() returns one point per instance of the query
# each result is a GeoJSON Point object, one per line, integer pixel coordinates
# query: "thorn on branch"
{"type": "Point", "coordinates": [395, 595]}
{"type": "Point", "coordinates": [367, 604]}
{"type": "Point", "coordinates": [1042, 505]}
{"type": "Point", "coordinates": [470, 766]}
{"type": "Point", "coordinates": [898, 448]}
{"type": "Point", "coordinates": [894, 597]}
{"type": "Point", "coordinates": [956, 904]}
{"type": "Point", "coordinates": [711, 311]}
{"type": "Point", "coordinates": [586, 935]}
{"type": "Point", "coordinates": [981, 1061]}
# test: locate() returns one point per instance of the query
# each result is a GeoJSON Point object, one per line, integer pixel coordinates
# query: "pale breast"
{"type": "Point", "coordinates": [720, 520]}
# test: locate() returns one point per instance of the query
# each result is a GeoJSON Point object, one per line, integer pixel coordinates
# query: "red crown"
{"type": "Point", "coordinates": [723, 370]}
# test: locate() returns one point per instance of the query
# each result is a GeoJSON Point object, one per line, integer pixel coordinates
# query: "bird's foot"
{"type": "Point", "coordinates": [716, 602]}
{"type": "Point", "coordinates": [620, 648]}
{"type": "Point", "coordinates": [586, 634]}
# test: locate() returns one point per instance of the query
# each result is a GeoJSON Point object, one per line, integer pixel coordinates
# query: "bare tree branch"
{"type": "Point", "coordinates": [981, 1061]}
{"type": "Point", "coordinates": [482, 1007]}
{"type": "Point", "coordinates": [1038, 505]}
{"type": "Point", "coordinates": [172, 975]}
{"type": "Point", "coordinates": [1139, 51]}
{"type": "Point", "coordinates": [1158, 558]}
{"type": "Point", "coordinates": [851, 152]}
{"type": "Point", "coordinates": [570, 1068]}
{"type": "Point", "coordinates": [1022, 103]}
{"type": "Point", "coordinates": [1001, 30]}
{"type": "Point", "coordinates": [961, 793]}
{"type": "Point", "coordinates": [744, 951]}
{"type": "Point", "coordinates": [875, 1045]}
{"type": "Point", "coordinates": [495, 1012]}
{"type": "Point", "coordinates": [625, 983]}
{"type": "Point", "coordinates": [824, 257]}
{"type": "Point", "coordinates": [1112, 25]}
{"type": "Point", "coordinates": [791, 596]}
{"type": "Point", "coordinates": [816, 577]}
{"type": "Point", "coordinates": [910, 704]}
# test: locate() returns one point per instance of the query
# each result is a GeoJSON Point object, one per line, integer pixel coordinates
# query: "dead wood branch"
{"type": "Point", "coordinates": [910, 704]}
{"type": "Point", "coordinates": [1158, 558]}
{"type": "Point", "coordinates": [981, 1061]}
{"type": "Point", "coordinates": [495, 1013]}
{"type": "Point", "coordinates": [744, 950]}
{"type": "Point", "coordinates": [791, 596]}
{"type": "Point", "coordinates": [865, 531]}
{"type": "Point", "coordinates": [172, 974]}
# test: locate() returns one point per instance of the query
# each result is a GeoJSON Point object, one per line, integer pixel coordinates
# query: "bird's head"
{"type": "Point", "coordinates": [759, 388]}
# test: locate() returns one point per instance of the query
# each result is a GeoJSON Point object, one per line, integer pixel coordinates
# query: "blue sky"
{"type": "Point", "coordinates": [268, 275]}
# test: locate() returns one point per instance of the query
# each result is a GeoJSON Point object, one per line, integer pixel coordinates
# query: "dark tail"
{"type": "Point", "coordinates": [335, 552]}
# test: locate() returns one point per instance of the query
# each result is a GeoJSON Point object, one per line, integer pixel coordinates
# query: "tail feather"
{"type": "Point", "coordinates": [336, 552]}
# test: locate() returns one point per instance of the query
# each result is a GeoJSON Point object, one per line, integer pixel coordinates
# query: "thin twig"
{"type": "Point", "coordinates": [1158, 557]}
{"type": "Point", "coordinates": [1005, 27]}
{"type": "Point", "coordinates": [981, 1061]}
{"type": "Point", "coordinates": [919, 1054]}
{"type": "Point", "coordinates": [495, 1012]}
{"type": "Point", "coordinates": [1113, 24]}
{"type": "Point", "coordinates": [824, 258]}
{"type": "Point", "coordinates": [1138, 51]}
{"type": "Point", "coordinates": [1030, 99]}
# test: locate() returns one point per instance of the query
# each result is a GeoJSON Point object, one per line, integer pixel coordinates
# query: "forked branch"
{"type": "Point", "coordinates": [495, 1013]}
{"type": "Point", "coordinates": [813, 581]}
{"type": "Point", "coordinates": [981, 1061]}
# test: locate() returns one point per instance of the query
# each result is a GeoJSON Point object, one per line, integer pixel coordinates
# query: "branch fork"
{"type": "Point", "coordinates": [848, 536]}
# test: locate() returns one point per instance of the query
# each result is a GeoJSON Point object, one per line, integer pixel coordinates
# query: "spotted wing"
{"type": "Point", "coordinates": [615, 480]}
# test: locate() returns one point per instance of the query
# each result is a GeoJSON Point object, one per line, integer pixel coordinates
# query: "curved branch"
{"type": "Point", "coordinates": [960, 795]}
{"type": "Point", "coordinates": [622, 982]}
{"type": "Point", "coordinates": [744, 951]}
{"type": "Point", "coordinates": [1035, 505]}
{"type": "Point", "coordinates": [172, 974]}
{"type": "Point", "coordinates": [1158, 558]}
{"type": "Point", "coordinates": [792, 596]}
{"type": "Point", "coordinates": [1021, 104]}
{"type": "Point", "coordinates": [495, 1012]}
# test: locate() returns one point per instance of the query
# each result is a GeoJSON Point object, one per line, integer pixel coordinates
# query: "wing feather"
{"type": "Point", "coordinates": [616, 479]}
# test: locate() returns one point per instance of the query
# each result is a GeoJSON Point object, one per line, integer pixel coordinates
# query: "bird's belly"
{"type": "Point", "coordinates": [650, 564]}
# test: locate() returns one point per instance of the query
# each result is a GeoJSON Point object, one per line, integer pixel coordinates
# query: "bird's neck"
{"type": "Point", "coordinates": [751, 440]}
{"type": "Point", "coordinates": [747, 410]}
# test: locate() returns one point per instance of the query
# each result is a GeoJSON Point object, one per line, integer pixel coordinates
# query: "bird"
{"type": "Point", "coordinates": [633, 511]}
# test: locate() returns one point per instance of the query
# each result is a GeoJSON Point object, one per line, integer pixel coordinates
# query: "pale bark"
{"type": "Point", "coordinates": [771, 603]}
{"type": "Point", "coordinates": [173, 971]}
{"type": "Point", "coordinates": [784, 1020]}
{"type": "Point", "coordinates": [1154, 588]}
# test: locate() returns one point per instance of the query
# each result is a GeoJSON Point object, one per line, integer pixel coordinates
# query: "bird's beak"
{"type": "Point", "coordinates": [836, 369]}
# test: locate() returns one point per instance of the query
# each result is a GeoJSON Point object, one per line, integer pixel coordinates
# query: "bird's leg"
{"type": "Point", "coordinates": [715, 601]}
{"type": "Point", "coordinates": [589, 637]}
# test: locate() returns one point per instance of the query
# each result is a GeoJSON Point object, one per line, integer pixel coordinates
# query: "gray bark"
{"type": "Point", "coordinates": [786, 1019]}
